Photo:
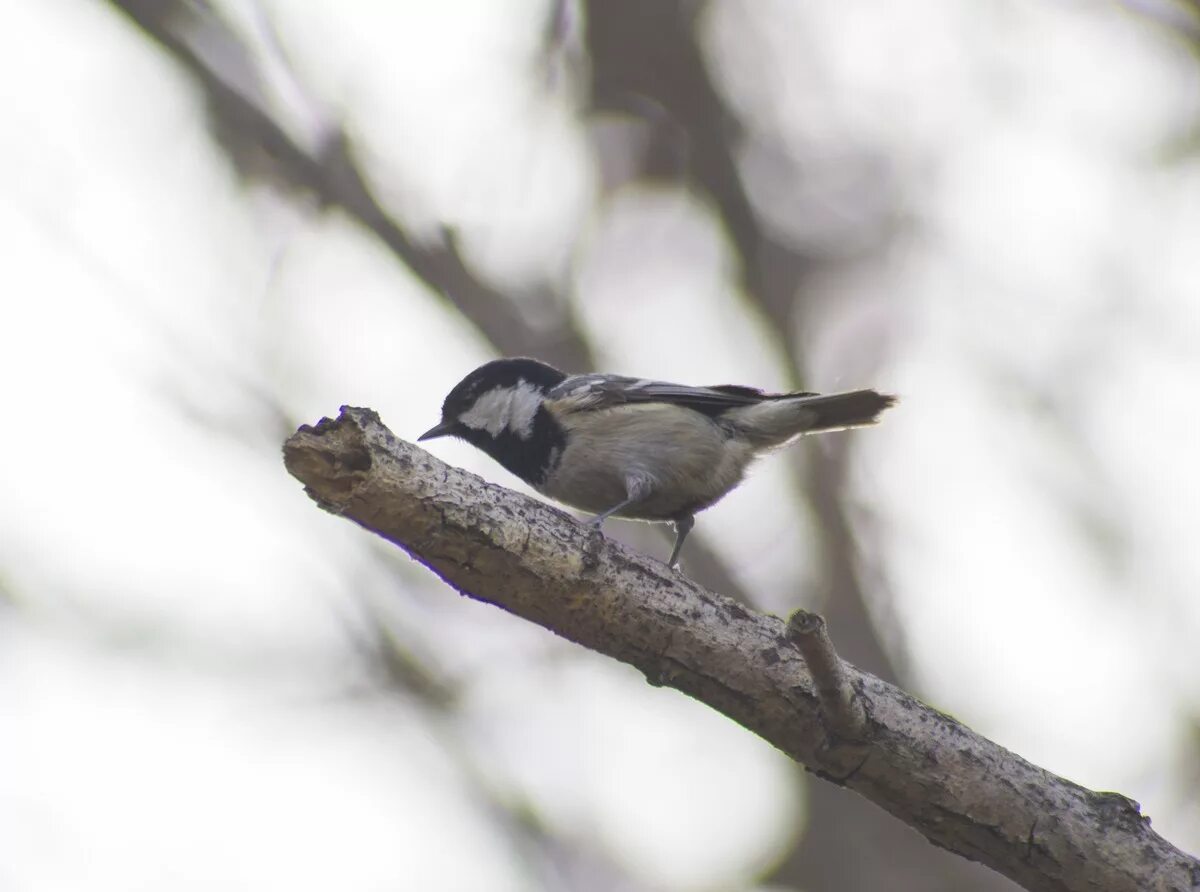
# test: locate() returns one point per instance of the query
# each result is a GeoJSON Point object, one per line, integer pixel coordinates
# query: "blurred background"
{"type": "Point", "coordinates": [220, 220]}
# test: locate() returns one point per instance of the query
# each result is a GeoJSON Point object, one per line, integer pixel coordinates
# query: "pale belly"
{"type": "Point", "coordinates": [683, 461]}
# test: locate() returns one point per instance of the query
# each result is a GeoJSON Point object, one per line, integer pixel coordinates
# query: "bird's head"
{"type": "Point", "coordinates": [500, 399]}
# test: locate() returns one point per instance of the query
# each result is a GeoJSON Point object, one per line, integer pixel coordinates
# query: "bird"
{"type": "Point", "coordinates": [634, 448]}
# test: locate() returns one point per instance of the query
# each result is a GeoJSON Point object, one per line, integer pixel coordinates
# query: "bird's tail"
{"type": "Point", "coordinates": [777, 420]}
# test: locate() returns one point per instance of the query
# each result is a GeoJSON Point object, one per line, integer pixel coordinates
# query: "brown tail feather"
{"type": "Point", "coordinates": [780, 419]}
{"type": "Point", "coordinates": [842, 410]}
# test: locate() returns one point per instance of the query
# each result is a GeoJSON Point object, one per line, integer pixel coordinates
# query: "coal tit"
{"type": "Point", "coordinates": [632, 447]}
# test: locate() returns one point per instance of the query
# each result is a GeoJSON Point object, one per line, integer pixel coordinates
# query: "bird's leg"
{"type": "Point", "coordinates": [683, 526]}
{"type": "Point", "coordinates": [636, 489]}
{"type": "Point", "coordinates": [598, 520]}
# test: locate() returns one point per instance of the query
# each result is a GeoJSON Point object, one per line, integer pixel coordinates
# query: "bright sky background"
{"type": "Point", "coordinates": [181, 701]}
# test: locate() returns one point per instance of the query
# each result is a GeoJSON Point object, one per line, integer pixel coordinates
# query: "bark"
{"type": "Point", "coordinates": [960, 790]}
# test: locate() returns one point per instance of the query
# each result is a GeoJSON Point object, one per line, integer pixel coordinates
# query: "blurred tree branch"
{"type": "Point", "coordinates": [258, 145]}
{"type": "Point", "coordinates": [248, 130]}
{"type": "Point", "coordinates": [647, 62]}
{"type": "Point", "coordinates": [960, 790]}
{"type": "Point", "coordinates": [1182, 17]}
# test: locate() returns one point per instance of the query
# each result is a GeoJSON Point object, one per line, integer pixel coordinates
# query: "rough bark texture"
{"type": "Point", "coordinates": [961, 791]}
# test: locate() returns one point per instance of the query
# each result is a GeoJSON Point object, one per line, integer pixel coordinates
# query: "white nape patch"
{"type": "Point", "coordinates": [505, 407]}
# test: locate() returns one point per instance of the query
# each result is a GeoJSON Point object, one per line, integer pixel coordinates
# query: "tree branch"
{"type": "Point", "coordinates": [842, 709]}
{"type": "Point", "coordinates": [960, 790]}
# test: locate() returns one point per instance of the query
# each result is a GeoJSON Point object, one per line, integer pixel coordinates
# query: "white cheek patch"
{"type": "Point", "coordinates": [511, 408]}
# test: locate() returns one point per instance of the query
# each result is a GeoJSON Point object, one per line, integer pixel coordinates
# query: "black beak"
{"type": "Point", "coordinates": [438, 430]}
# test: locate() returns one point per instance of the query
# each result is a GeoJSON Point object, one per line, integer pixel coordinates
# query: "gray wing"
{"type": "Point", "coordinates": [590, 392]}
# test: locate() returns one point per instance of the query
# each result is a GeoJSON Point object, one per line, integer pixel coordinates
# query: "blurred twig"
{"type": "Point", "coordinates": [1182, 17]}
{"type": "Point", "coordinates": [552, 858]}
{"type": "Point", "coordinates": [331, 173]}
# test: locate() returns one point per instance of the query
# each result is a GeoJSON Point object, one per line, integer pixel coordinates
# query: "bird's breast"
{"type": "Point", "coordinates": [687, 459]}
